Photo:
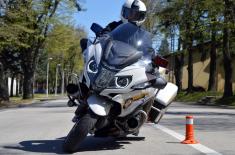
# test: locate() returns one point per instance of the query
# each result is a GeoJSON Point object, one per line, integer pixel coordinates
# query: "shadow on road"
{"type": "Point", "coordinates": [95, 144]}
{"type": "Point", "coordinates": [40, 146]}
{"type": "Point", "coordinates": [89, 144]}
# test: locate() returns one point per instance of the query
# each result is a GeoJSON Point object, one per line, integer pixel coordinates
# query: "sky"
{"type": "Point", "coordinates": [101, 12]}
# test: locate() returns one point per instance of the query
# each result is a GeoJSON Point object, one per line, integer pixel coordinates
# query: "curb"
{"type": "Point", "coordinates": [52, 99]}
{"type": "Point", "coordinates": [28, 104]}
{"type": "Point", "coordinates": [209, 104]}
{"type": "Point", "coordinates": [19, 105]}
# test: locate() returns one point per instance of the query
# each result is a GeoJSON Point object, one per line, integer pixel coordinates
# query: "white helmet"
{"type": "Point", "coordinates": [133, 11]}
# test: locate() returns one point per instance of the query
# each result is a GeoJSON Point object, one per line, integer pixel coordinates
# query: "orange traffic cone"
{"type": "Point", "coordinates": [189, 136]}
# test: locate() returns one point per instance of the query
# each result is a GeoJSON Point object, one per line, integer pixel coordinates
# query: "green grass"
{"type": "Point", "coordinates": [44, 96]}
{"type": "Point", "coordinates": [196, 96]}
{"type": "Point", "coordinates": [230, 101]}
{"type": "Point", "coordinates": [19, 100]}
{"type": "Point", "coordinates": [37, 97]}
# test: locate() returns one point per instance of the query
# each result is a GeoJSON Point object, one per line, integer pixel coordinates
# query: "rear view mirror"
{"type": "Point", "coordinates": [72, 88]}
{"type": "Point", "coordinates": [160, 83]}
{"type": "Point", "coordinates": [96, 28]}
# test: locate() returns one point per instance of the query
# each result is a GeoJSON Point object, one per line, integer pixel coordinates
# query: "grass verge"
{"type": "Point", "coordinates": [15, 101]}
{"type": "Point", "coordinates": [206, 98]}
{"type": "Point", "coordinates": [230, 101]}
{"type": "Point", "coordinates": [196, 96]}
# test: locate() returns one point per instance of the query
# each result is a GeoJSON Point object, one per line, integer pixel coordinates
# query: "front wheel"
{"type": "Point", "coordinates": [79, 132]}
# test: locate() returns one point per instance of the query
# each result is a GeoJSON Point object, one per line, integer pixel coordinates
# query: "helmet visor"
{"type": "Point", "coordinates": [133, 14]}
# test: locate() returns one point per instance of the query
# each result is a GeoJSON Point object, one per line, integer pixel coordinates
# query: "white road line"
{"type": "Point", "coordinates": [180, 137]}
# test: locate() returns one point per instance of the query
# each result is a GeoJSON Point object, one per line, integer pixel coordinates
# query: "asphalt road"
{"type": "Point", "coordinates": [40, 129]}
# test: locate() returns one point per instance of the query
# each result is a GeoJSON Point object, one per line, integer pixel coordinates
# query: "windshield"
{"type": "Point", "coordinates": [134, 36]}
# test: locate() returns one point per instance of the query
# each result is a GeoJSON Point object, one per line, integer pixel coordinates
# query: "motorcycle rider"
{"type": "Point", "coordinates": [133, 11]}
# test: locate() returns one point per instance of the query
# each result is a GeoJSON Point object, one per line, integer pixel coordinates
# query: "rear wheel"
{"type": "Point", "coordinates": [79, 132]}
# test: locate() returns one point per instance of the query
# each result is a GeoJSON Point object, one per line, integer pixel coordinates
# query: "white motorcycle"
{"type": "Point", "coordinates": [126, 88]}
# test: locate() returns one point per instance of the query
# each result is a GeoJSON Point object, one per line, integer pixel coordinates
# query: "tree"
{"type": "Point", "coordinates": [210, 25]}
{"type": "Point", "coordinates": [162, 17]}
{"type": "Point", "coordinates": [228, 20]}
{"type": "Point", "coordinates": [26, 25]}
{"type": "Point", "coordinates": [187, 19]}
{"type": "Point", "coordinates": [199, 22]}
{"type": "Point", "coordinates": [164, 47]}
{"type": "Point", "coordinates": [213, 56]}
{"type": "Point", "coordinates": [40, 27]}
{"type": "Point", "coordinates": [180, 14]}
{"type": "Point", "coordinates": [11, 61]}
{"type": "Point", "coordinates": [150, 23]}
{"type": "Point", "coordinates": [178, 67]}
{"type": "Point", "coordinates": [4, 96]}
{"type": "Point", "coordinates": [63, 45]}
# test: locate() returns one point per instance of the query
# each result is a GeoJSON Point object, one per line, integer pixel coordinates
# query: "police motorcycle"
{"type": "Point", "coordinates": [125, 87]}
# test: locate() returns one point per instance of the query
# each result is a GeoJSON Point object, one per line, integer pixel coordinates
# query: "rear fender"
{"type": "Point", "coordinates": [99, 105]}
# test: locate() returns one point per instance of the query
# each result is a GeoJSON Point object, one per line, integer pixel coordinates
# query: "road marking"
{"type": "Point", "coordinates": [180, 137]}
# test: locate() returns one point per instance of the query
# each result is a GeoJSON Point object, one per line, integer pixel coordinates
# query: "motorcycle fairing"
{"type": "Point", "coordinates": [99, 105]}
{"type": "Point", "coordinates": [123, 99]}
{"type": "Point", "coordinates": [93, 51]}
{"type": "Point", "coordinates": [137, 78]}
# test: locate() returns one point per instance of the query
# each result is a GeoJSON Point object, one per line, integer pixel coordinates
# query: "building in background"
{"type": "Point", "coordinates": [201, 68]}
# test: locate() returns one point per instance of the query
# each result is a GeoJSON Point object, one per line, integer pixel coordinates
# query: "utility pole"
{"type": "Point", "coordinates": [48, 68]}
{"type": "Point", "coordinates": [172, 51]}
{"type": "Point", "coordinates": [67, 74]}
{"type": "Point", "coordinates": [62, 86]}
{"type": "Point", "coordinates": [56, 79]}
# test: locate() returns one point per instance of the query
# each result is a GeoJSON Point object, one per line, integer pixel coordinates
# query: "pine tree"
{"type": "Point", "coordinates": [164, 47]}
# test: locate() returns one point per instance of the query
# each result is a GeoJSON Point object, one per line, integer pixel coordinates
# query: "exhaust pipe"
{"type": "Point", "coordinates": [138, 120]}
{"type": "Point", "coordinates": [133, 123]}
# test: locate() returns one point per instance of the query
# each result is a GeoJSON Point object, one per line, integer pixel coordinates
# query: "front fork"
{"type": "Point", "coordinates": [82, 109]}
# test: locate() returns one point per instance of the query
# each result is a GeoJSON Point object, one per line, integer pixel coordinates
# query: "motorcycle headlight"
{"type": "Point", "coordinates": [120, 82]}
{"type": "Point", "coordinates": [92, 67]}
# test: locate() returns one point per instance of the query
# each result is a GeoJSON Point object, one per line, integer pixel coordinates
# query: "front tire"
{"type": "Point", "coordinates": [79, 132]}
